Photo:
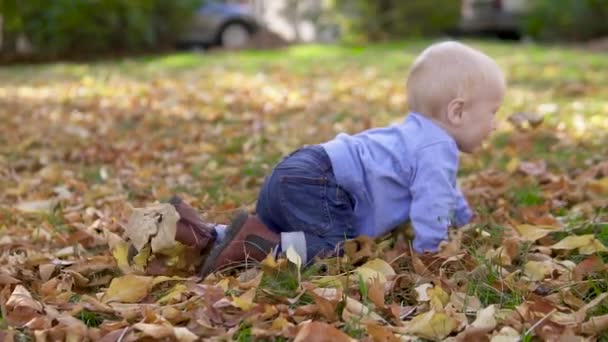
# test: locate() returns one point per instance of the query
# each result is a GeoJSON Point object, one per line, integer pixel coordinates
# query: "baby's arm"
{"type": "Point", "coordinates": [463, 213]}
{"type": "Point", "coordinates": [434, 197]}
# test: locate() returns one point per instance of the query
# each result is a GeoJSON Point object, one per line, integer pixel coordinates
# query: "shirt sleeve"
{"type": "Point", "coordinates": [463, 212]}
{"type": "Point", "coordinates": [434, 195]}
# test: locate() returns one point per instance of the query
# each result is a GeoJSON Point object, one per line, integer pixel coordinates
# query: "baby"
{"type": "Point", "coordinates": [373, 181]}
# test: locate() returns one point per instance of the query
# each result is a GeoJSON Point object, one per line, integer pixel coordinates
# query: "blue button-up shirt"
{"type": "Point", "coordinates": [399, 173]}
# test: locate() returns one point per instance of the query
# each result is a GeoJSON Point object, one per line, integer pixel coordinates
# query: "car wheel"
{"type": "Point", "coordinates": [235, 36]}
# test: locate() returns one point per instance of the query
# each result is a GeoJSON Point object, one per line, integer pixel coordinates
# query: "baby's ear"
{"type": "Point", "coordinates": [456, 111]}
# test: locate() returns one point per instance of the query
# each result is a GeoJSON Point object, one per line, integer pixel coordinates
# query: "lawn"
{"type": "Point", "coordinates": [80, 144]}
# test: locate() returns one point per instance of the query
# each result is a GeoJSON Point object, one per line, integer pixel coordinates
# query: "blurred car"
{"type": "Point", "coordinates": [221, 23]}
{"type": "Point", "coordinates": [500, 17]}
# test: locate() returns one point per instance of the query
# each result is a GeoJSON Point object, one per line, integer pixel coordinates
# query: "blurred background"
{"type": "Point", "coordinates": [68, 29]}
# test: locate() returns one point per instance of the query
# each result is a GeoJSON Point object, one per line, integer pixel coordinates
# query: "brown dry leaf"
{"type": "Point", "coordinates": [432, 325]}
{"type": "Point", "coordinates": [586, 244]}
{"type": "Point", "coordinates": [156, 331]}
{"type": "Point", "coordinates": [380, 333]}
{"type": "Point", "coordinates": [320, 332]}
{"type": "Point", "coordinates": [534, 169]}
{"type": "Point", "coordinates": [375, 293]}
{"type": "Point", "coordinates": [595, 325]}
{"type": "Point", "coordinates": [128, 289]}
{"type": "Point", "coordinates": [326, 307]}
{"type": "Point", "coordinates": [21, 307]}
{"type": "Point", "coordinates": [359, 249]}
{"type": "Point", "coordinates": [155, 224]}
{"type": "Point", "coordinates": [465, 303]}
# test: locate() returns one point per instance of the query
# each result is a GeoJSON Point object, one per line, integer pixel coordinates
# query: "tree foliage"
{"type": "Point", "coordinates": [567, 19]}
{"type": "Point", "coordinates": [63, 27]}
{"type": "Point", "coordinates": [386, 19]}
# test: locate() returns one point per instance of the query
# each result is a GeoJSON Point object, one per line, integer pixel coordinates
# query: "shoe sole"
{"type": "Point", "coordinates": [233, 229]}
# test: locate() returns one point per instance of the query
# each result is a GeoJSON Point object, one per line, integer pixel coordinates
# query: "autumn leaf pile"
{"type": "Point", "coordinates": [82, 145]}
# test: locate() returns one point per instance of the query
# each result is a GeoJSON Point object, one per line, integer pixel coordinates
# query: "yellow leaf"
{"type": "Point", "coordinates": [439, 298]}
{"type": "Point", "coordinates": [279, 324]}
{"type": "Point", "coordinates": [586, 244]}
{"type": "Point", "coordinates": [532, 233]}
{"type": "Point", "coordinates": [432, 325]}
{"type": "Point", "coordinates": [330, 281]}
{"type": "Point", "coordinates": [269, 264]}
{"type": "Point", "coordinates": [174, 296]}
{"type": "Point", "coordinates": [224, 284]}
{"type": "Point", "coordinates": [128, 289]}
{"type": "Point", "coordinates": [140, 261]}
{"type": "Point", "coordinates": [376, 268]}
{"type": "Point", "coordinates": [538, 270]}
{"type": "Point", "coordinates": [245, 301]}
{"type": "Point", "coordinates": [512, 165]}
{"type": "Point", "coordinates": [162, 279]}
{"type": "Point", "coordinates": [121, 254]}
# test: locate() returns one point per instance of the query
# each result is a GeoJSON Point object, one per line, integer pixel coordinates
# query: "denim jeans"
{"type": "Point", "coordinates": [301, 195]}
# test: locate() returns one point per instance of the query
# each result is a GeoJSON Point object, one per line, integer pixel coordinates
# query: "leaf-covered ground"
{"type": "Point", "coordinates": [82, 144]}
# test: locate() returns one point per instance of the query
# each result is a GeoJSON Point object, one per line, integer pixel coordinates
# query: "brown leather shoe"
{"type": "Point", "coordinates": [191, 230]}
{"type": "Point", "coordinates": [246, 238]}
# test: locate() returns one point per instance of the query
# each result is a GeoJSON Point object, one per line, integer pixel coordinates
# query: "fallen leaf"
{"type": "Point", "coordinates": [128, 289]}
{"type": "Point", "coordinates": [465, 303]}
{"type": "Point", "coordinates": [376, 268]}
{"type": "Point", "coordinates": [21, 307]}
{"type": "Point", "coordinates": [532, 233]}
{"type": "Point", "coordinates": [586, 244]}
{"type": "Point", "coordinates": [121, 253]}
{"type": "Point", "coordinates": [506, 334]}
{"type": "Point", "coordinates": [432, 325]}
{"type": "Point", "coordinates": [175, 295]}
{"type": "Point", "coordinates": [595, 325]}
{"type": "Point", "coordinates": [154, 224]}
{"type": "Point", "coordinates": [183, 334]}
{"type": "Point", "coordinates": [381, 333]}
{"type": "Point", "coordinates": [35, 207]}
{"type": "Point", "coordinates": [422, 292]}
{"type": "Point", "coordinates": [245, 301]}
{"type": "Point", "coordinates": [359, 249]}
{"type": "Point", "coordinates": [321, 332]}
{"type": "Point", "coordinates": [294, 257]}
{"type": "Point", "coordinates": [375, 293]}
{"type": "Point", "coordinates": [355, 309]}
{"type": "Point", "coordinates": [538, 270]}
{"type": "Point", "coordinates": [156, 331]}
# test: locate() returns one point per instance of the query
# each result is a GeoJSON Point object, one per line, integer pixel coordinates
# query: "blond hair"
{"type": "Point", "coordinates": [445, 71]}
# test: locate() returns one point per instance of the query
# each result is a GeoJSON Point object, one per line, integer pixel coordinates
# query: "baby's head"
{"type": "Point", "coordinates": [458, 87]}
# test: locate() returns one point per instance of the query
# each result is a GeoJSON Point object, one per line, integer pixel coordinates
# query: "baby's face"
{"type": "Point", "coordinates": [480, 118]}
